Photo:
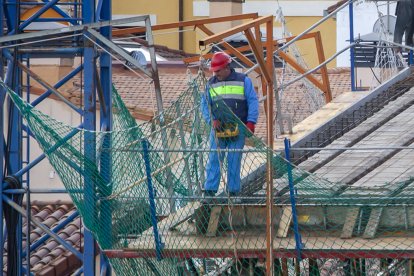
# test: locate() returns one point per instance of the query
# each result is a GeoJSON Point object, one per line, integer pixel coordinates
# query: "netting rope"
{"type": "Point", "coordinates": [117, 210]}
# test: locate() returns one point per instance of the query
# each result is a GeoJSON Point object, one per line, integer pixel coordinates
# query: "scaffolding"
{"type": "Point", "coordinates": [138, 187]}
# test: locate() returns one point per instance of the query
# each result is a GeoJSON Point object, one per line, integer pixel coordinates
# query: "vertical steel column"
{"type": "Point", "coordinates": [292, 193]}
{"type": "Point", "coordinates": [2, 153]}
{"type": "Point", "coordinates": [14, 161]}
{"type": "Point", "coordinates": [351, 40]}
{"type": "Point", "coordinates": [88, 15]}
{"type": "Point", "coordinates": [151, 198]}
{"type": "Point", "coordinates": [270, 140]}
{"type": "Point", "coordinates": [10, 13]}
{"type": "Point", "coordinates": [104, 13]}
{"type": "Point", "coordinates": [184, 147]}
{"type": "Point", "coordinates": [160, 108]}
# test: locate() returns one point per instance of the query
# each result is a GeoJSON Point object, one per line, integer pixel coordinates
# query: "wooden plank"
{"type": "Point", "coordinates": [213, 221]}
{"type": "Point", "coordinates": [219, 36]}
{"type": "Point", "coordinates": [257, 241]}
{"type": "Point", "coordinates": [324, 70]}
{"type": "Point", "coordinates": [285, 222]}
{"type": "Point", "coordinates": [373, 222]}
{"type": "Point", "coordinates": [189, 23]}
{"type": "Point", "coordinates": [350, 221]}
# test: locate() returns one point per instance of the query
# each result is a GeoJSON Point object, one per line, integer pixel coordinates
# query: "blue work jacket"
{"type": "Point", "coordinates": [244, 105]}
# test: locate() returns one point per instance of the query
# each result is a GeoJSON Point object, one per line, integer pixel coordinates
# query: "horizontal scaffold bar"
{"type": "Point", "coordinates": [229, 253]}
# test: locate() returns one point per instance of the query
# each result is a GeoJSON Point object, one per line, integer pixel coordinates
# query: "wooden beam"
{"type": "Point", "coordinates": [234, 30]}
{"type": "Point", "coordinates": [185, 24]}
{"type": "Point", "coordinates": [258, 36]}
{"type": "Point", "coordinates": [285, 221]}
{"type": "Point", "coordinates": [350, 222]}
{"type": "Point", "coordinates": [213, 221]}
{"type": "Point", "coordinates": [301, 70]}
{"type": "Point", "coordinates": [306, 36]}
{"type": "Point", "coordinates": [192, 246]}
{"type": "Point", "coordinates": [269, 69]}
{"type": "Point", "coordinates": [230, 49]}
{"type": "Point", "coordinates": [324, 70]}
{"type": "Point", "coordinates": [259, 56]}
{"type": "Point", "coordinates": [373, 222]}
{"type": "Point", "coordinates": [247, 47]}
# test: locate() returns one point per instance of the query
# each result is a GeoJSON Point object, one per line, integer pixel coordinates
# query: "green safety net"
{"type": "Point", "coordinates": [139, 190]}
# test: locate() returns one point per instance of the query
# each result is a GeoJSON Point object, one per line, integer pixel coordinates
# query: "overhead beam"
{"type": "Point", "coordinates": [301, 70]}
{"type": "Point", "coordinates": [72, 29]}
{"type": "Point", "coordinates": [189, 23]}
{"type": "Point", "coordinates": [118, 50]}
{"type": "Point", "coordinates": [259, 56]}
{"type": "Point", "coordinates": [230, 49]}
{"type": "Point", "coordinates": [323, 85]}
{"type": "Point", "coordinates": [324, 71]}
{"type": "Point", "coordinates": [234, 30]}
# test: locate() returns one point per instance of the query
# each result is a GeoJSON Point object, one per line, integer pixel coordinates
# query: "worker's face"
{"type": "Point", "coordinates": [222, 74]}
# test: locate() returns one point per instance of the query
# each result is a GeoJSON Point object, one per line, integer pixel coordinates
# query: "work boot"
{"type": "Point", "coordinates": [209, 193]}
{"type": "Point", "coordinates": [208, 196]}
{"type": "Point", "coordinates": [234, 198]}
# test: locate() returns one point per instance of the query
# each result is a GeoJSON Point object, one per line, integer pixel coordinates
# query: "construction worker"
{"type": "Point", "coordinates": [227, 90]}
{"type": "Point", "coordinates": [405, 22]}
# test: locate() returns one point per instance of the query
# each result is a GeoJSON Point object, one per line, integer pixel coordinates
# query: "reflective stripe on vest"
{"type": "Point", "coordinates": [227, 90]}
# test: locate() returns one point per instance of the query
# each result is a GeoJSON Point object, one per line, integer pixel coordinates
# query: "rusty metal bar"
{"type": "Point", "coordinates": [234, 30]}
{"type": "Point", "coordinates": [247, 47]}
{"type": "Point", "coordinates": [258, 55]}
{"type": "Point", "coordinates": [270, 139]}
{"type": "Point", "coordinates": [230, 49]}
{"type": "Point", "coordinates": [324, 70]}
{"type": "Point", "coordinates": [301, 70]}
{"type": "Point", "coordinates": [185, 23]}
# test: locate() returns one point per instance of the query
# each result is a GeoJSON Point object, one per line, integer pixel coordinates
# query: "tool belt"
{"type": "Point", "coordinates": [227, 130]}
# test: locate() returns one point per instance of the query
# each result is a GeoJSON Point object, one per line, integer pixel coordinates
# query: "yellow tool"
{"type": "Point", "coordinates": [228, 130]}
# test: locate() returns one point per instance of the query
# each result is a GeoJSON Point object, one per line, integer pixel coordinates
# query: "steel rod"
{"type": "Point", "coordinates": [56, 229]}
{"type": "Point", "coordinates": [151, 197]}
{"type": "Point", "coordinates": [292, 192]}
{"type": "Point", "coordinates": [71, 29]}
{"type": "Point", "coordinates": [52, 149]}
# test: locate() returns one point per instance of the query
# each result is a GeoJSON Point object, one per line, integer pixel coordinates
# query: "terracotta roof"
{"type": "Point", "coordinates": [295, 103]}
{"type": "Point", "coordinates": [51, 258]}
{"type": "Point", "coordinates": [138, 94]}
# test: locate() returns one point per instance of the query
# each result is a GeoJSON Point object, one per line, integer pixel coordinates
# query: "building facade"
{"type": "Point", "coordinates": [299, 15]}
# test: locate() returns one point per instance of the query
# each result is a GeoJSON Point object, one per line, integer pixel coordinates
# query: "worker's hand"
{"type": "Point", "coordinates": [250, 126]}
{"type": "Point", "coordinates": [216, 124]}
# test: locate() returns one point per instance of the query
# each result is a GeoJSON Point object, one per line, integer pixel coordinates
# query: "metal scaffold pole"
{"type": "Point", "coordinates": [15, 135]}
{"type": "Point", "coordinates": [270, 140]}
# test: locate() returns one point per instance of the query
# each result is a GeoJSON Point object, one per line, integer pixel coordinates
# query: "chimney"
{"type": "Point", "coordinates": [220, 8]}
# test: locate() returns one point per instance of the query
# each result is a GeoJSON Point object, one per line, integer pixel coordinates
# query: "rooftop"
{"type": "Point", "coordinates": [50, 258]}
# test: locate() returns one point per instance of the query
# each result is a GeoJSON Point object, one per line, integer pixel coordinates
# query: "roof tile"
{"type": "Point", "coordinates": [50, 257]}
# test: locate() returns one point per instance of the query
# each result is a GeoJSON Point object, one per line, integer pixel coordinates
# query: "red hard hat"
{"type": "Point", "coordinates": [219, 61]}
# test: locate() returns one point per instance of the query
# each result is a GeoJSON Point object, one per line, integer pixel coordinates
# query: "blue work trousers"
{"type": "Point", "coordinates": [233, 163]}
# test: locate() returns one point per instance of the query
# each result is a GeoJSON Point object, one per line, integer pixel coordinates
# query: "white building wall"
{"type": "Point", "coordinates": [43, 176]}
{"type": "Point", "coordinates": [269, 7]}
{"type": "Point", "coordinates": [365, 16]}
